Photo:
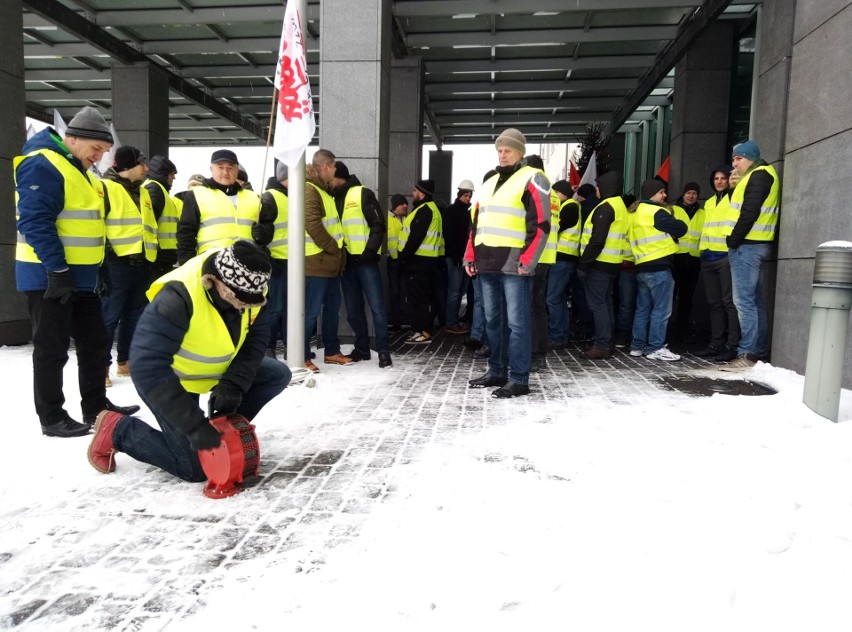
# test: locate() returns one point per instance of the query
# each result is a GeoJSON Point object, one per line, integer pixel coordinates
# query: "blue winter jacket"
{"type": "Point", "coordinates": [41, 197]}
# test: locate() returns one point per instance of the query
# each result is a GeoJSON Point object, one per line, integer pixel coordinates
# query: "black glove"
{"type": "Point", "coordinates": [256, 232]}
{"type": "Point", "coordinates": [730, 243]}
{"type": "Point", "coordinates": [60, 285]}
{"type": "Point", "coordinates": [224, 399]}
{"type": "Point", "coordinates": [368, 256]}
{"type": "Point", "coordinates": [204, 437]}
{"type": "Point", "coordinates": [104, 282]}
{"type": "Point", "coordinates": [582, 272]}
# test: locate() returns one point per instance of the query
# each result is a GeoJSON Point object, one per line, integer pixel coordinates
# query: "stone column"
{"type": "Point", "coordinates": [140, 107]}
{"type": "Point", "coordinates": [441, 171]}
{"type": "Point", "coordinates": [700, 108]}
{"type": "Point", "coordinates": [406, 125]}
{"type": "Point", "coordinates": [355, 87]}
{"type": "Point", "coordinates": [14, 321]}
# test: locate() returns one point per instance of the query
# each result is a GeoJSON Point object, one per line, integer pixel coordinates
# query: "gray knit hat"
{"type": "Point", "coordinates": [513, 139]}
{"type": "Point", "coordinates": [89, 123]}
{"type": "Point", "coordinates": [282, 172]}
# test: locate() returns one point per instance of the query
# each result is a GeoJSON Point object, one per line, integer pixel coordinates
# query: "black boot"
{"type": "Point", "coordinates": [385, 360]}
{"type": "Point", "coordinates": [512, 389]}
{"type": "Point", "coordinates": [357, 356]}
{"type": "Point", "coordinates": [483, 352]}
{"type": "Point", "coordinates": [65, 428]}
{"type": "Point", "coordinates": [489, 379]}
{"type": "Point", "coordinates": [124, 410]}
{"type": "Point", "coordinates": [726, 354]}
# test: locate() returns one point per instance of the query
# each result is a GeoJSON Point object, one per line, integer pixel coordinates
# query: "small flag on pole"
{"type": "Point", "coordinates": [663, 172]}
{"type": "Point", "coordinates": [573, 174]}
{"type": "Point", "coordinates": [591, 174]}
{"type": "Point", "coordinates": [294, 122]}
{"type": "Point", "coordinates": [58, 123]}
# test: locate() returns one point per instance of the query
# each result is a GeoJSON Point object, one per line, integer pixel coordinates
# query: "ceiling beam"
{"type": "Point", "coordinates": [537, 37]}
{"type": "Point", "coordinates": [446, 8]}
{"type": "Point", "coordinates": [532, 118]}
{"type": "Point", "coordinates": [539, 64]}
{"type": "Point", "coordinates": [690, 29]}
{"type": "Point", "coordinates": [575, 103]}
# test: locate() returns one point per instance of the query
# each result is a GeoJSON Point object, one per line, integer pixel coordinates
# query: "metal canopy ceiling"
{"type": "Point", "coordinates": [546, 66]}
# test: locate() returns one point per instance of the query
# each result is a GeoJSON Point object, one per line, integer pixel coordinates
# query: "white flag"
{"type": "Point", "coordinates": [294, 122]}
{"type": "Point", "coordinates": [109, 156]}
{"type": "Point", "coordinates": [591, 174]}
{"type": "Point", "coordinates": [58, 124]}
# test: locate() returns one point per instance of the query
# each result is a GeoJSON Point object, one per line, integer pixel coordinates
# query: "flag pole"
{"type": "Point", "coordinates": [272, 110]}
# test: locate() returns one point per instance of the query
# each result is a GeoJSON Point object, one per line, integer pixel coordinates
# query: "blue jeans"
{"type": "Point", "coordinates": [322, 294]}
{"type": "Point", "coordinates": [507, 300]}
{"type": "Point", "coordinates": [626, 301]}
{"type": "Point", "coordinates": [125, 304]}
{"type": "Point", "coordinates": [169, 449]}
{"type": "Point", "coordinates": [559, 317]}
{"type": "Point", "coordinates": [599, 299]}
{"type": "Point", "coordinates": [457, 280]}
{"type": "Point", "coordinates": [655, 291]}
{"type": "Point", "coordinates": [365, 279]}
{"type": "Point", "coordinates": [477, 326]}
{"type": "Point", "coordinates": [746, 263]}
{"type": "Point", "coordinates": [276, 306]}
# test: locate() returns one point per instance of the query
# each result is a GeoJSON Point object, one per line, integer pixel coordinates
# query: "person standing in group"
{"type": "Point", "coordinates": [131, 232]}
{"type": "Point", "coordinates": [396, 215]}
{"type": "Point", "coordinates": [509, 234]}
{"type": "Point", "coordinates": [421, 242]}
{"type": "Point", "coordinates": [325, 259]}
{"type": "Point", "coordinates": [58, 258]}
{"type": "Point", "coordinates": [717, 222]}
{"type": "Point", "coordinates": [271, 231]}
{"type": "Point", "coordinates": [562, 271]}
{"type": "Point", "coordinates": [456, 229]}
{"type": "Point", "coordinates": [603, 245]}
{"type": "Point", "coordinates": [363, 235]}
{"type": "Point", "coordinates": [205, 331]}
{"type": "Point", "coordinates": [167, 209]}
{"type": "Point", "coordinates": [217, 212]}
{"type": "Point", "coordinates": [686, 266]}
{"type": "Point", "coordinates": [756, 200]}
{"type": "Point", "coordinates": [652, 233]}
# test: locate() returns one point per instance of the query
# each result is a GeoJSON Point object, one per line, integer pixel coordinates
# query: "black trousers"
{"type": "Point", "coordinates": [418, 298]}
{"type": "Point", "coordinates": [395, 317]}
{"type": "Point", "coordinates": [54, 324]}
{"type": "Point", "coordinates": [540, 331]}
{"type": "Point", "coordinates": [685, 273]}
{"type": "Point", "coordinates": [724, 320]}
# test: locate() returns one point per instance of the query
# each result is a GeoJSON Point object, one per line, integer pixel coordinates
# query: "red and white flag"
{"type": "Point", "coordinates": [573, 174]}
{"type": "Point", "coordinates": [294, 122]}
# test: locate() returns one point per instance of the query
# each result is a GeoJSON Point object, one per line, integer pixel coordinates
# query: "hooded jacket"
{"type": "Point", "coordinates": [610, 185]}
{"type": "Point", "coordinates": [329, 262]}
{"type": "Point", "coordinates": [41, 198]}
{"type": "Point", "coordinates": [757, 190]}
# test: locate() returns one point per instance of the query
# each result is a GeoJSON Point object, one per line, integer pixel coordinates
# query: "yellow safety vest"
{"type": "Point", "coordinates": [331, 222]}
{"type": "Point", "coordinates": [569, 239]}
{"type": "Point", "coordinates": [646, 242]}
{"type": "Point", "coordinates": [766, 223]}
{"type": "Point", "coordinates": [80, 224]}
{"type": "Point", "coordinates": [130, 228]}
{"type": "Point", "coordinates": [719, 222]}
{"type": "Point", "coordinates": [688, 244]}
{"type": "Point", "coordinates": [206, 350]}
{"type": "Point", "coordinates": [616, 247]}
{"type": "Point", "coordinates": [549, 254]}
{"type": "Point", "coordinates": [394, 229]}
{"type": "Point", "coordinates": [167, 224]}
{"type": "Point", "coordinates": [696, 227]}
{"type": "Point", "coordinates": [221, 223]}
{"type": "Point", "coordinates": [278, 247]}
{"type": "Point", "coordinates": [433, 243]}
{"type": "Point", "coordinates": [356, 231]}
{"type": "Point", "coordinates": [502, 218]}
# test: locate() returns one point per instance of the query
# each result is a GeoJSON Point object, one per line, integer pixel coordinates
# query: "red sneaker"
{"type": "Point", "coordinates": [101, 449]}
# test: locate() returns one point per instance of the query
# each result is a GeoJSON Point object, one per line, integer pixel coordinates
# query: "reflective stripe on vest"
{"type": "Point", "coordinates": [330, 220]}
{"type": "Point", "coordinates": [206, 350]}
{"type": "Point", "coordinates": [696, 228]}
{"type": "Point", "coordinates": [167, 224]}
{"type": "Point", "coordinates": [688, 244]}
{"type": "Point", "coordinates": [278, 247]}
{"type": "Point", "coordinates": [502, 219]}
{"type": "Point", "coordinates": [394, 229]}
{"type": "Point", "coordinates": [549, 254]}
{"type": "Point", "coordinates": [221, 222]}
{"type": "Point", "coordinates": [80, 224]}
{"type": "Point", "coordinates": [433, 243]}
{"type": "Point", "coordinates": [356, 231]}
{"type": "Point", "coordinates": [130, 228]}
{"type": "Point", "coordinates": [646, 242]}
{"type": "Point", "coordinates": [616, 247]}
{"type": "Point", "coordinates": [719, 222]}
{"type": "Point", "coordinates": [767, 221]}
{"type": "Point", "coordinates": [569, 239]}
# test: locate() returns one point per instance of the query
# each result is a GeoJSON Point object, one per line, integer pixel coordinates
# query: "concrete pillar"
{"type": "Point", "coordinates": [700, 108]}
{"type": "Point", "coordinates": [140, 107]}
{"type": "Point", "coordinates": [14, 321]}
{"type": "Point", "coordinates": [355, 87]}
{"type": "Point", "coordinates": [441, 171]}
{"type": "Point", "coordinates": [616, 147]}
{"type": "Point", "coordinates": [406, 125]}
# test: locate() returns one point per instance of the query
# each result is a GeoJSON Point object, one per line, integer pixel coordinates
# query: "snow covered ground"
{"type": "Point", "coordinates": [400, 500]}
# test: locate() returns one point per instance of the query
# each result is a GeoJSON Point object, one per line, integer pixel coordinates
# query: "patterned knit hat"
{"type": "Point", "coordinates": [245, 269]}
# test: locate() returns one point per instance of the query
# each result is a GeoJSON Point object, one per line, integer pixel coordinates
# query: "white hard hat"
{"type": "Point", "coordinates": [466, 185]}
